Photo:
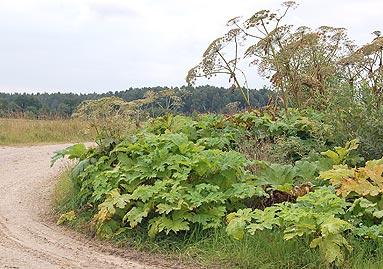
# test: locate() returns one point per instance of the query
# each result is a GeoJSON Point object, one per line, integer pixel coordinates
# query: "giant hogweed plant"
{"type": "Point", "coordinates": [352, 204]}
{"type": "Point", "coordinates": [316, 215]}
{"type": "Point", "coordinates": [178, 173]}
{"type": "Point", "coordinates": [170, 183]}
{"type": "Point", "coordinates": [112, 117]}
{"type": "Point", "coordinates": [171, 155]}
{"type": "Point", "coordinates": [167, 182]}
{"type": "Point", "coordinates": [299, 62]}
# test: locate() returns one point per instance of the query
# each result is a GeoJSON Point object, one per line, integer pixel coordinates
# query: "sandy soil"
{"type": "Point", "coordinates": [27, 238]}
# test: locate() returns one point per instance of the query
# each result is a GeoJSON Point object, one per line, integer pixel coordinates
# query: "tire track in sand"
{"type": "Point", "coordinates": [26, 239]}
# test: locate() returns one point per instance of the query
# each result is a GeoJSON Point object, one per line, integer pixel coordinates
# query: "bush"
{"type": "Point", "coordinates": [357, 117]}
{"type": "Point", "coordinates": [165, 180]}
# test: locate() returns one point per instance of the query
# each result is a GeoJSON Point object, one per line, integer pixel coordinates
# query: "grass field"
{"type": "Point", "coordinates": [25, 131]}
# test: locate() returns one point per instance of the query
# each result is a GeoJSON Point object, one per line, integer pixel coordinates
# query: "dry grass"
{"type": "Point", "coordinates": [25, 131]}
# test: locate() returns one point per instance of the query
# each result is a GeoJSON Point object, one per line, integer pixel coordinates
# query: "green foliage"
{"type": "Point", "coordinates": [324, 215]}
{"type": "Point", "coordinates": [173, 175]}
{"type": "Point", "coordinates": [313, 215]}
{"type": "Point", "coordinates": [210, 131]}
{"type": "Point", "coordinates": [278, 175]}
{"type": "Point", "coordinates": [283, 138]}
{"type": "Point", "coordinates": [356, 117]}
{"type": "Point", "coordinates": [284, 177]}
{"type": "Point", "coordinates": [77, 151]}
{"type": "Point", "coordinates": [305, 125]}
{"type": "Point", "coordinates": [176, 181]}
{"type": "Point", "coordinates": [342, 154]}
{"type": "Point", "coordinates": [180, 174]}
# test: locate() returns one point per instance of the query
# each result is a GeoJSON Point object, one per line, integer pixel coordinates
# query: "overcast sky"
{"type": "Point", "coordinates": [101, 45]}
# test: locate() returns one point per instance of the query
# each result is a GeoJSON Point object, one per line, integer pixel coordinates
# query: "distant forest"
{"type": "Point", "coordinates": [202, 99]}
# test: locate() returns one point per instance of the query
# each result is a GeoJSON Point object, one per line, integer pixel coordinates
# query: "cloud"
{"type": "Point", "coordinates": [110, 10]}
{"type": "Point", "coordinates": [98, 45]}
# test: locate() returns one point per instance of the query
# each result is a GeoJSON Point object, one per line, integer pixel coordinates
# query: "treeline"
{"type": "Point", "coordinates": [200, 99]}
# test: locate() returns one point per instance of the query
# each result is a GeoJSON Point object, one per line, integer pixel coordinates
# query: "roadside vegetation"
{"type": "Point", "coordinates": [214, 249]}
{"type": "Point", "coordinates": [297, 183]}
{"type": "Point", "coordinates": [20, 131]}
{"type": "Point", "coordinates": [184, 186]}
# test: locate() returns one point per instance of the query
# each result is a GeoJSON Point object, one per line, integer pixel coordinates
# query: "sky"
{"type": "Point", "coordinates": [101, 45]}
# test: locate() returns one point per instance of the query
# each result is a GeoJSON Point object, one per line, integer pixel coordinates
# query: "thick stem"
{"type": "Point", "coordinates": [233, 75]}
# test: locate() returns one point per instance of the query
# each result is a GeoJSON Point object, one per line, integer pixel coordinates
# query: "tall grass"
{"type": "Point", "coordinates": [26, 131]}
{"type": "Point", "coordinates": [265, 249]}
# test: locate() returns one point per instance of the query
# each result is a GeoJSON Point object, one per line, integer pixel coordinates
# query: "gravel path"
{"type": "Point", "coordinates": [27, 238]}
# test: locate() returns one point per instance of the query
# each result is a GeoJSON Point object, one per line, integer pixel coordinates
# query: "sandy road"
{"type": "Point", "coordinates": [26, 239]}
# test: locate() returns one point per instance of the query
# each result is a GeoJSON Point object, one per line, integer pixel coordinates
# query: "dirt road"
{"type": "Point", "coordinates": [27, 240]}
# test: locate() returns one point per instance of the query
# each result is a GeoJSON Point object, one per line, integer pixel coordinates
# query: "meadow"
{"type": "Point", "coordinates": [19, 131]}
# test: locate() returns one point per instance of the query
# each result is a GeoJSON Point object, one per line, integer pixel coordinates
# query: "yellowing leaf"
{"type": "Point", "coordinates": [67, 217]}
{"type": "Point", "coordinates": [337, 174]}
{"type": "Point", "coordinates": [363, 181]}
